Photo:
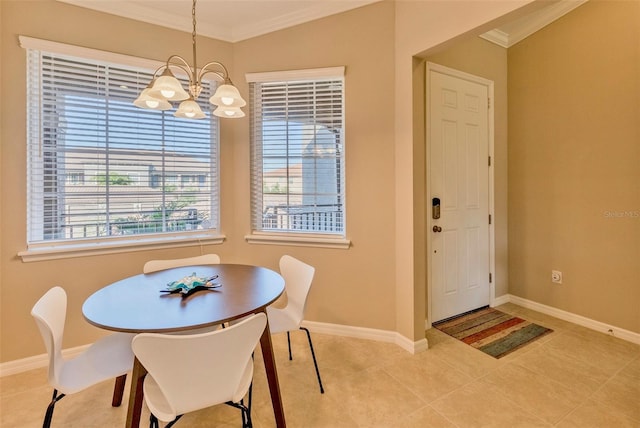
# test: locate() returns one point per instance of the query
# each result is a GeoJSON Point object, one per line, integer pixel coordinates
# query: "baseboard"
{"type": "Point", "coordinates": [42, 360]}
{"type": "Point", "coordinates": [369, 334]}
{"type": "Point", "coordinates": [505, 298]}
{"type": "Point", "coordinates": [35, 362]}
{"type": "Point", "coordinates": [620, 333]}
{"type": "Point", "coordinates": [30, 363]}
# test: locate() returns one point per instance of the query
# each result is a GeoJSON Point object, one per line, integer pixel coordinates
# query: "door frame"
{"type": "Point", "coordinates": [430, 66]}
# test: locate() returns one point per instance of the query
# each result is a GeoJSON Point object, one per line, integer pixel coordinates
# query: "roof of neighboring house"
{"type": "Point", "coordinates": [292, 171]}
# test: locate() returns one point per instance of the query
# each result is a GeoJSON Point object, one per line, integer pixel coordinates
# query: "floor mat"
{"type": "Point", "coordinates": [491, 331]}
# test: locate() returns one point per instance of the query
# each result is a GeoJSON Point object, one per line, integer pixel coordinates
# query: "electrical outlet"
{"type": "Point", "coordinates": [556, 276]}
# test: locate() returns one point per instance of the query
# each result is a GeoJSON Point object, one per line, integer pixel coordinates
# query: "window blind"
{"type": "Point", "coordinates": [99, 167]}
{"type": "Point", "coordinates": [297, 154]}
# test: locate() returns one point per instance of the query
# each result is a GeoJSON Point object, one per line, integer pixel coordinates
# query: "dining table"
{"type": "Point", "coordinates": [141, 304]}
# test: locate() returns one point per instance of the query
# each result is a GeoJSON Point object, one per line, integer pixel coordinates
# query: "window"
{"type": "Point", "coordinates": [100, 168]}
{"type": "Point", "coordinates": [297, 152]}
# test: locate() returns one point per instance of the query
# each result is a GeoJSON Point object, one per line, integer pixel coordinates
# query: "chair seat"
{"type": "Point", "coordinates": [156, 401]}
{"type": "Point", "coordinates": [106, 358]}
{"type": "Point", "coordinates": [281, 320]}
{"type": "Point", "coordinates": [161, 408]}
{"type": "Point", "coordinates": [156, 265]}
{"type": "Point", "coordinates": [197, 330]}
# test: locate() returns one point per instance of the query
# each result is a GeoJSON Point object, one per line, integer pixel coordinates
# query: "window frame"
{"type": "Point", "coordinates": [287, 237]}
{"type": "Point", "coordinates": [56, 249]}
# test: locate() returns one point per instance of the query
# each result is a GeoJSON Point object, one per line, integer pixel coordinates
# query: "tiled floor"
{"type": "Point", "coordinates": [574, 377]}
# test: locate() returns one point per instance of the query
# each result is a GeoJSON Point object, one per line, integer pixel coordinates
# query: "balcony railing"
{"type": "Point", "coordinates": [326, 218]}
{"type": "Point", "coordinates": [129, 223]}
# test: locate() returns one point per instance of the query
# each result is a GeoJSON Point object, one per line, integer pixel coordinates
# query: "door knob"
{"type": "Point", "coordinates": [437, 229]}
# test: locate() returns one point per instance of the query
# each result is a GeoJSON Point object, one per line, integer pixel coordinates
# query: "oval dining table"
{"type": "Point", "coordinates": [137, 304]}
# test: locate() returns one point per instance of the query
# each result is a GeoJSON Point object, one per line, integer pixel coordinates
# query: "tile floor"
{"type": "Point", "coordinates": [574, 377]}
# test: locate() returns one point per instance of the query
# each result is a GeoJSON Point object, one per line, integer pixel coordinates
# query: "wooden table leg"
{"type": "Point", "coordinates": [135, 395]}
{"type": "Point", "coordinates": [272, 376]}
{"type": "Point", "coordinates": [118, 390]}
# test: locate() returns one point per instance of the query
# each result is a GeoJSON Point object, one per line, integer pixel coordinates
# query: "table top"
{"type": "Point", "coordinates": [136, 305]}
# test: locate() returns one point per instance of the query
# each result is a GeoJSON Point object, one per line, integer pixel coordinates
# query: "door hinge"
{"type": "Point", "coordinates": [489, 218]}
{"type": "Point", "coordinates": [490, 278]}
{"type": "Point", "coordinates": [489, 160]}
{"type": "Point", "coordinates": [488, 102]}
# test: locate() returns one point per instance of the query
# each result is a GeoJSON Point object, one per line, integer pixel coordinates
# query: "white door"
{"type": "Point", "coordinates": [458, 175]}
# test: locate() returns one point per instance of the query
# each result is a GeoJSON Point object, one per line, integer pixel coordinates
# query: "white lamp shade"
{"type": "Point", "coordinates": [145, 100]}
{"type": "Point", "coordinates": [227, 96]}
{"type": "Point", "coordinates": [228, 112]}
{"type": "Point", "coordinates": [167, 87]}
{"type": "Point", "coordinates": [189, 109]}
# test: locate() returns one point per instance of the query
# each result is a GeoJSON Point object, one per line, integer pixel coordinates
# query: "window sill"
{"type": "Point", "coordinates": [298, 240]}
{"type": "Point", "coordinates": [64, 250]}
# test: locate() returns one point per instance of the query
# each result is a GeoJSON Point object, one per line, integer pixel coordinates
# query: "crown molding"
{"type": "Point", "coordinates": [317, 11]}
{"type": "Point", "coordinates": [522, 28]}
{"type": "Point", "coordinates": [145, 12]}
{"type": "Point", "coordinates": [498, 37]}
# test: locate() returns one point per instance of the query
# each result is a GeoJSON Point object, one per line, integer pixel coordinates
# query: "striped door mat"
{"type": "Point", "coordinates": [491, 331]}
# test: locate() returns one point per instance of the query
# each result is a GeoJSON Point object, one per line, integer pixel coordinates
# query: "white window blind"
{"type": "Point", "coordinates": [100, 168]}
{"type": "Point", "coordinates": [297, 152]}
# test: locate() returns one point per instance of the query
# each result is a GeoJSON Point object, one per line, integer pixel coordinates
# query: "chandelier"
{"type": "Point", "coordinates": [165, 88]}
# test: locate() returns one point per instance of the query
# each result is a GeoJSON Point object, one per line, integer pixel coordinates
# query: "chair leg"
{"type": "Point", "coordinates": [289, 343]}
{"type": "Point", "coordinates": [118, 390]}
{"type": "Point", "coordinates": [153, 422]}
{"type": "Point", "coordinates": [248, 411]}
{"type": "Point", "coordinates": [170, 424]}
{"type": "Point", "coordinates": [245, 418]}
{"type": "Point", "coordinates": [245, 412]}
{"type": "Point", "coordinates": [313, 354]}
{"type": "Point", "coordinates": [48, 416]}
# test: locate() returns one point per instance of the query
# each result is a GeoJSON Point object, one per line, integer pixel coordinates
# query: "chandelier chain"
{"type": "Point", "coordinates": [193, 35]}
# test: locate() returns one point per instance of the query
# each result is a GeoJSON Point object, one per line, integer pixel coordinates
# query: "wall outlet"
{"type": "Point", "coordinates": [556, 276]}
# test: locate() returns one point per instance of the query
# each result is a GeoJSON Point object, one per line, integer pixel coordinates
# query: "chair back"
{"type": "Point", "coordinates": [156, 265]}
{"type": "Point", "coordinates": [198, 371]}
{"type": "Point", "coordinates": [50, 312]}
{"type": "Point", "coordinates": [297, 282]}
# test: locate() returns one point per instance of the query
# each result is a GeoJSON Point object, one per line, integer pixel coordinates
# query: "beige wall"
{"type": "Point", "coordinates": [574, 163]}
{"type": "Point", "coordinates": [23, 283]}
{"type": "Point", "coordinates": [484, 59]}
{"type": "Point", "coordinates": [362, 41]}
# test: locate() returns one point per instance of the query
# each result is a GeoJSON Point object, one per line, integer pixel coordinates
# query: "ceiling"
{"type": "Point", "coordinates": [236, 20]}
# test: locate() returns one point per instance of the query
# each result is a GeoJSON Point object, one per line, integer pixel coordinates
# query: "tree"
{"type": "Point", "coordinates": [115, 179]}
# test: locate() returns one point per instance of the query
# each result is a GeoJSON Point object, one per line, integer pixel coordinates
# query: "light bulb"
{"type": "Point", "coordinates": [227, 101]}
{"type": "Point", "coordinates": [152, 103]}
{"type": "Point", "coordinates": [228, 112]}
{"type": "Point", "coordinates": [167, 93]}
{"type": "Point", "coordinates": [190, 114]}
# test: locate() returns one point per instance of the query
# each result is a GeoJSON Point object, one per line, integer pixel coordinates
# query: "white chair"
{"type": "Point", "coordinates": [156, 265]}
{"type": "Point", "coordinates": [297, 282]}
{"type": "Point", "coordinates": [193, 372]}
{"type": "Point", "coordinates": [108, 358]}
